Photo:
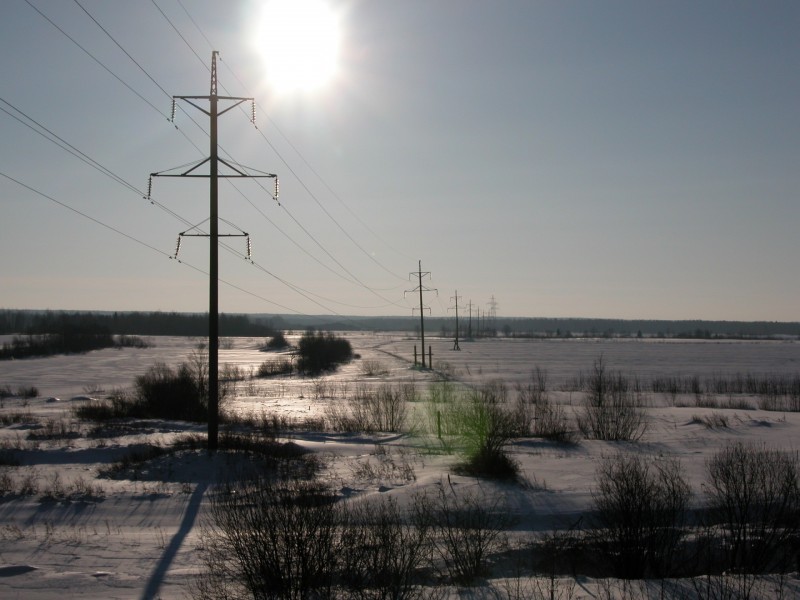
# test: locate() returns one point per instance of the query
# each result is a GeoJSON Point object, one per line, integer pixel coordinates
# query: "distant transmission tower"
{"type": "Point", "coordinates": [455, 298]}
{"type": "Point", "coordinates": [213, 165]}
{"type": "Point", "coordinates": [422, 308]}
{"type": "Point", "coordinates": [469, 326]}
{"type": "Point", "coordinates": [493, 313]}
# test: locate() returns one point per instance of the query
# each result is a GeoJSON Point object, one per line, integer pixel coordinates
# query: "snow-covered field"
{"type": "Point", "coordinates": [80, 534]}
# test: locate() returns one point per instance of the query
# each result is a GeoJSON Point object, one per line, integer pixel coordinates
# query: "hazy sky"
{"type": "Point", "coordinates": [625, 159]}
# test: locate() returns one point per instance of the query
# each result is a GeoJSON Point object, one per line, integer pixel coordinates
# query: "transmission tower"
{"type": "Point", "coordinates": [469, 326]}
{"type": "Point", "coordinates": [213, 175]}
{"type": "Point", "coordinates": [422, 308]}
{"type": "Point", "coordinates": [493, 313]}
{"type": "Point", "coordinates": [455, 298]}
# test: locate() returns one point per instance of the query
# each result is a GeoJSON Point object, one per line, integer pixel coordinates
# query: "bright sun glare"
{"type": "Point", "coordinates": [299, 41]}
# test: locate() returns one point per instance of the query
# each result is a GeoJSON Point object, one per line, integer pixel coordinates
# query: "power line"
{"type": "Point", "coordinates": [300, 155]}
{"type": "Point", "coordinates": [66, 146]}
{"type": "Point", "coordinates": [153, 248]}
{"type": "Point", "coordinates": [83, 214]}
{"type": "Point", "coordinates": [111, 37]}
{"type": "Point", "coordinates": [90, 55]}
{"type": "Point", "coordinates": [91, 162]}
{"type": "Point", "coordinates": [82, 156]}
{"type": "Point", "coordinates": [328, 253]}
{"type": "Point", "coordinates": [180, 35]}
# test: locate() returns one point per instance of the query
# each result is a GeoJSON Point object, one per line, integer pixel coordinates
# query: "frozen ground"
{"type": "Point", "coordinates": [136, 538]}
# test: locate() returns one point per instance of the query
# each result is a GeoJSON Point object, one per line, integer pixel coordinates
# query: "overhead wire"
{"type": "Point", "coordinates": [70, 148]}
{"type": "Point", "coordinates": [82, 156]}
{"type": "Point", "coordinates": [83, 214]}
{"type": "Point", "coordinates": [295, 220]}
{"type": "Point", "coordinates": [180, 35]}
{"type": "Point", "coordinates": [88, 160]}
{"type": "Point", "coordinates": [149, 196]}
{"type": "Point", "coordinates": [110, 71]}
{"type": "Point", "coordinates": [154, 248]}
{"type": "Point", "coordinates": [297, 151]}
{"type": "Point", "coordinates": [90, 55]}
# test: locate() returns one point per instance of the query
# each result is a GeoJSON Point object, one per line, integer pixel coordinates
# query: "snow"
{"type": "Point", "coordinates": [136, 537]}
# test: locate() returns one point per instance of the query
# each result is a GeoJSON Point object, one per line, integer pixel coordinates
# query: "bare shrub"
{"type": "Point", "coordinates": [84, 490]}
{"type": "Point", "coordinates": [389, 467]}
{"type": "Point", "coordinates": [18, 417]}
{"type": "Point", "coordinates": [384, 409]}
{"type": "Point", "coordinates": [486, 427]}
{"type": "Point", "coordinates": [707, 401]}
{"type": "Point", "coordinates": [56, 429]}
{"type": "Point", "coordinates": [28, 484]}
{"type": "Point", "coordinates": [535, 414]}
{"type": "Point", "coordinates": [740, 404]}
{"type": "Point", "coordinates": [468, 530]}
{"type": "Point", "coordinates": [231, 372]}
{"type": "Point", "coordinates": [640, 507]}
{"type": "Point", "coordinates": [373, 368]}
{"type": "Point", "coordinates": [611, 410]}
{"type": "Point", "coordinates": [387, 551]}
{"type": "Point", "coordinates": [276, 368]}
{"type": "Point", "coordinates": [276, 342]}
{"type": "Point", "coordinates": [29, 391]}
{"type": "Point", "coordinates": [753, 506]}
{"type": "Point", "coordinates": [272, 539]}
{"type": "Point", "coordinates": [713, 421]}
{"type": "Point", "coordinates": [6, 482]}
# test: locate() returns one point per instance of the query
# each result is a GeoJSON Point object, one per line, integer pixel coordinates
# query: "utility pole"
{"type": "Point", "coordinates": [469, 326]}
{"type": "Point", "coordinates": [493, 313]}
{"type": "Point", "coordinates": [213, 175]}
{"type": "Point", "coordinates": [455, 345]}
{"type": "Point", "coordinates": [420, 274]}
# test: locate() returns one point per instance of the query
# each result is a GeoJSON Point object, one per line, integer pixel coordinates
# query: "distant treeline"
{"type": "Point", "coordinates": [696, 329]}
{"type": "Point", "coordinates": [58, 334]}
{"type": "Point", "coordinates": [129, 323]}
{"type": "Point", "coordinates": [257, 325]}
{"type": "Point", "coordinates": [545, 327]}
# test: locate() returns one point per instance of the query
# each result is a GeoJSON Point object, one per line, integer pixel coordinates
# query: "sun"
{"type": "Point", "coordinates": [299, 43]}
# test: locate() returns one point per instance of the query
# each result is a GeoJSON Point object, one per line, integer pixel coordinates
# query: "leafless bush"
{"type": "Point", "coordinates": [535, 414]}
{"type": "Point", "coordinates": [388, 467]}
{"type": "Point", "coordinates": [56, 429]}
{"type": "Point", "coordinates": [276, 368]}
{"type": "Point", "coordinates": [28, 484]}
{"type": "Point", "coordinates": [18, 417]}
{"type": "Point", "coordinates": [272, 539]}
{"type": "Point", "coordinates": [384, 409]}
{"type": "Point", "coordinates": [641, 508]}
{"type": "Point", "coordinates": [468, 530]}
{"type": "Point", "coordinates": [754, 506]}
{"type": "Point", "coordinates": [611, 411]}
{"type": "Point", "coordinates": [485, 428]}
{"type": "Point", "coordinates": [373, 368]}
{"type": "Point", "coordinates": [713, 421]}
{"type": "Point", "coordinates": [707, 401]}
{"type": "Point", "coordinates": [6, 482]}
{"type": "Point", "coordinates": [29, 391]}
{"type": "Point", "coordinates": [84, 490]}
{"type": "Point", "coordinates": [290, 539]}
{"type": "Point", "coordinates": [740, 404]}
{"type": "Point", "coordinates": [232, 372]}
{"type": "Point", "coordinates": [387, 551]}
